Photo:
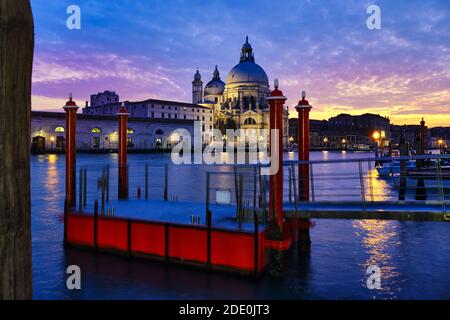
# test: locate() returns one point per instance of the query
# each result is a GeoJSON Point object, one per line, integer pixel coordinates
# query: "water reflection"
{"type": "Point", "coordinates": [414, 257]}
{"type": "Point", "coordinates": [380, 237]}
{"type": "Point", "coordinates": [380, 189]}
{"type": "Point", "coordinates": [51, 181]}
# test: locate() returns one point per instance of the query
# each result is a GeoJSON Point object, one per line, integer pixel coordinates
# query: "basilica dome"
{"type": "Point", "coordinates": [247, 71]}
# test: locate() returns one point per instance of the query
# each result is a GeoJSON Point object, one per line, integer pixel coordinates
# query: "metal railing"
{"type": "Point", "coordinates": [342, 180]}
{"type": "Point", "coordinates": [419, 179]}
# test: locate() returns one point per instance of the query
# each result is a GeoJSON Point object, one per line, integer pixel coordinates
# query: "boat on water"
{"type": "Point", "coordinates": [433, 178]}
{"type": "Point", "coordinates": [390, 168]}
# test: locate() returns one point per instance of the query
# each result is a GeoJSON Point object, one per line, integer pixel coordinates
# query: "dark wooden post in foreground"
{"type": "Point", "coordinates": [16, 58]}
{"type": "Point", "coordinates": [123, 144]}
{"type": "Point", "coordinates": [303, 108]}
{"type": "Point", "coordinates": [421, 193]}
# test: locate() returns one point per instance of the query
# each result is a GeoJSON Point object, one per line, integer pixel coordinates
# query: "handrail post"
{"type": "Point", "coordinates": [80, 193]}
{"type": "Point", "coordinates": [311, 174]}
{"type": "Point", "coordinates": [290, 184]}
{"type": "Point", "coordinates": [166, 182]}
{"type": "Point", "coordinates": [85, 187]}
{"type": "Point", "coordinates": [146, 181]}
{"type": "Point", "coordinates": [369, 168]}
{"type": "Point", "coordinates": [107, 182]}
{"type": "Point", "coordinates": [256, 222]}
{"type": "Point", "coordinates": [208, 237]}
{"type": "Point", "coordinates": [361, 181]}
{"type": "Point", "coordinates": [95, 224]}
{"type": "Point", "coordinates": [207, 192]}
{"type": "Point", "coordinates": [440, 184]}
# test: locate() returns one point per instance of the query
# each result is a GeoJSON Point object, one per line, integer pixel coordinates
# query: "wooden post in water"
{"type": "Point", "coordinates": [16, 58]}
{"type": "Point", "coordinates": [404, 150]}
{"type": "Point", "coordinates": [303, 108]}
{"type": "Point", "coordinates": [421, 193]}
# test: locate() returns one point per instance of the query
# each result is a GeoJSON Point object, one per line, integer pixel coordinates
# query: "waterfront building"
{"type": "Point", "coordinates": [107, 103]}
{"type": "Point", "coordinates": [346, 132]}
{"type": "Point", "coordinates": [100, 132]}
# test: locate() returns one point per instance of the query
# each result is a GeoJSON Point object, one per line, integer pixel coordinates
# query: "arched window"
{"type": "Point", "coordinates": [59, 129]}
{"type": "Point", "coordinates": [250, 121]}
{"type": "Point", "coordinates": [159, 131]}
{"type": "Point", "coordinates": [96, 130]}
{"type": "Point", "coordinates": [130, 131]}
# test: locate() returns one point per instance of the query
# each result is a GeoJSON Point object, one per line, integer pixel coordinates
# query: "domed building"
{"type": "Point", "coordinates": [240, 102]}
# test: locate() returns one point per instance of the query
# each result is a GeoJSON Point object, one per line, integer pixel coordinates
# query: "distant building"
{"type": "Point", "coordinates": [365, 124]}
{"type": "Point", "coordinates": [96, 132]}
{"type": "Point", "coordinates": [345, 131]}
{"type": "Point", "coordinates": [107, 103]}
{"type": "Point", "coordinates": [104, 98]}
{"type": "Point", "coordinates": [411, 133]}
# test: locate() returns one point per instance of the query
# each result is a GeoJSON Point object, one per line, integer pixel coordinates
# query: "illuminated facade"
{"type": "Point", "coordinates": [97, 133]}
{"type": "Point", "coordinates": [240, 102]}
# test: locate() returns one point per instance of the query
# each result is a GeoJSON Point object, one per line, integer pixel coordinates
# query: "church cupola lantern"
{"type": "Point", "coordinates": [247, 52]}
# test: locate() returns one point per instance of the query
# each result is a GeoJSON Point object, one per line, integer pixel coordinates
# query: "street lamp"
{"type": "Point", "coordinates": [441, 145]}
{"type": "Point", "coordinates": [376, 136]}
{"type": "Point", "coordinates": [325, 141]}
{"type": "Point", "coordinates": [344, 141]}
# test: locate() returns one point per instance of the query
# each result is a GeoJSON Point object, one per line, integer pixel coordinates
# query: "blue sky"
{"type": "Point", "coordinates": [151, 49]}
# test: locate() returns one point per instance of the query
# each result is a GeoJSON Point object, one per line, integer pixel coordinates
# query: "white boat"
{"type": "Point", "coordinates": [388, 169]}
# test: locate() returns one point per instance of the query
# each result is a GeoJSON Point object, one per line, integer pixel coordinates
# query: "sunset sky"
{"type": "Point", "coordinates": [150, 49]}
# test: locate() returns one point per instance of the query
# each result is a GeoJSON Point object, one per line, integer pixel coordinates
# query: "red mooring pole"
{"type": "Point", "coordinates": [303, 108]}
{"type": "Point", "coordinates": [276, 101]}
{"type": "Point", "coordinates": [71, 151]}
{"type": "Point", "coordinates": [123, 142]}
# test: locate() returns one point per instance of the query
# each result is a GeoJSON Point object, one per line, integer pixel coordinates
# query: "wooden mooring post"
{"type": "Point", "coordinates": [16, 59]}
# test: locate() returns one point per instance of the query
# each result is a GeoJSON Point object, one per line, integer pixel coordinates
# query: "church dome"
{"type": "Point", "coordinates": [215, 86]}
{"type": "Point", "coordinates": [247, 70]}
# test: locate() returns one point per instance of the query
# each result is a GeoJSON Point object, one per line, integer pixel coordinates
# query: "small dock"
{"type": "Point", "coordinates": [402, 211]}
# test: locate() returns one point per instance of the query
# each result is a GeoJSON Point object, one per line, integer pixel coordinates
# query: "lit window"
{"type": "Point", "coordinates": [130, 131]}
{"type": "Point", "coordinates": [59, 129]}
{"type": "Point", "coordinates": [96, 130]}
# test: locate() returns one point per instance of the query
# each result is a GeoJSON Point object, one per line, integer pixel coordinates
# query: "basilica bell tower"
{"type": "Point", "coordinates": [197, 88]}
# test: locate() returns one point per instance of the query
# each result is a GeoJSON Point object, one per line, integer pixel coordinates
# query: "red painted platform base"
{"type": "Point", "coordinates": [192, 245]}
